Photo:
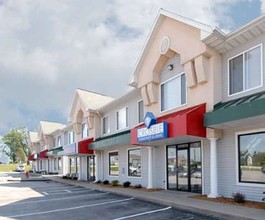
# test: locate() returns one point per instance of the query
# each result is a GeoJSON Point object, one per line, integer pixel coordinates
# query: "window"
{"type": "Point", "coordinates": [84, 130]}
{"type": "Point", "coordinates": [122, 118]}
{"type": "Point", "coordinates": [59, 163]}
{"type": "Point", "coordinates": [106, 127]}
{"type": "Point", "coordinates": [245, 71]}
{"type": "Point", "coordinates": [59, 141]}
{"type": "Point", "coordinates": [251, 148]}
{"type": "Point", "coordinates": [54, 163]}
{"type": "Point", "coordinates": [173, 93]}
{"type": "Point", "coordinates": [114, 163]}
{"type": "Point", "coordinates": [134, 162]}
{"type": "Point", "coordinates": [70, 137]}
{"type": "Point", "coordinates": [140, 111]}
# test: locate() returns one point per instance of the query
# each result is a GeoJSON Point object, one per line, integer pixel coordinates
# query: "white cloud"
{"type": "Point", "coordinates": [50, 47]}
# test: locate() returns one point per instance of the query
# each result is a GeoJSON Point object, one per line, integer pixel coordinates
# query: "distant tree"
{"type": "Point", "coordinates": [16, 144]}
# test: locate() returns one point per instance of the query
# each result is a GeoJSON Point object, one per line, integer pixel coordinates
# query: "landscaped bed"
{"type": "Point", "coordinates": [230, 201]}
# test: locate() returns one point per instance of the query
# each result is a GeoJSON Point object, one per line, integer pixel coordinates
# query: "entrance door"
{"type": "Point", "coordinates": [91, 171]}
{"type": "Point", "coordinates": [182, 170]}
{"type": "Point", "coordinates": [184, 167]}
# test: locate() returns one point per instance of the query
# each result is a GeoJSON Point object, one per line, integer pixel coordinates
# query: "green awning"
{"type": "Point", "coordinates": [56, 150]}
{"type": "Point", "coordinates": [119, 139]}
{"type": "Point", "coordinates": [237, 109]}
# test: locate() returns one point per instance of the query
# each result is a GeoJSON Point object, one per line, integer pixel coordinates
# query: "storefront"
{"type": "Point", "coordinates": [180, 136]}
{"type": "Point", "coordinates": [80, 160]}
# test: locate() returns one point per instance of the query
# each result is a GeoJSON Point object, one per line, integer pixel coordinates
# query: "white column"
{"type": "Point", "coordinates": [150, 167]}
{"type": "Point", "coordinates": [213, 168]}
{"type": "Point", "coordinates": [97, 155]}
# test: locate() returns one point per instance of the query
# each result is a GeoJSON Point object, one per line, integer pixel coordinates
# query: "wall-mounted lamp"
{"type": "Point", "coordinates": [170, 67]}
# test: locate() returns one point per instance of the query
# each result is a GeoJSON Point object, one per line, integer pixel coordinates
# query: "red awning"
{"type": "Point", "coordinates": [187, 122]}
{"type": "Point", "coordinates": [31, 157]}
{"type": "Point", "coordinates": [43, 154]}
{"type": "Point", "coordinates": [83, 146]}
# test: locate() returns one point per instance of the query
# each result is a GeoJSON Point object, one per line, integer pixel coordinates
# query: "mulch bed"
{"type": "Point", "coordinates": [249, 204]}
{"type": "Point", "coordinates": [132, 187]}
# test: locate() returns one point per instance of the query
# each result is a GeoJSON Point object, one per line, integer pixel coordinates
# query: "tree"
{"type": "Point", "coordinates": [16, 144]}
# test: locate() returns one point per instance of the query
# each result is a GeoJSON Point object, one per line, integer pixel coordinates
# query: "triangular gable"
{"type": "Point", "coordinates": [175, 32]}
{"type": "Point", "coordinates": [86, 101]}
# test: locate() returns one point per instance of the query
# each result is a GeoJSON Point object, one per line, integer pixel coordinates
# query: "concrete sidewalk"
{"type": "Point", "coordinates": [179, 200]}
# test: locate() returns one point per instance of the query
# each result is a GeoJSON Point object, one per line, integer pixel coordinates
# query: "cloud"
{"type": "Point", "coordinates": [48, 48]}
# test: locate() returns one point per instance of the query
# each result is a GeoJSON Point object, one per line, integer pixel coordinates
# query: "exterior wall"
{"type": "Point", "coordinates": [123, 166]}
{"type": "Point", "coordinates": [159, 169]}
{"type": "Point", "coordinates": [225, 75]}
{"type": "Point", "coordinates": [227, 165]}
{"type": "Point", "coordinates": [132, 103]}
{"type": "Point", "coordinates": [205, 167]}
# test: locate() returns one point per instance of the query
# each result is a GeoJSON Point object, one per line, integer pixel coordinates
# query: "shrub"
{"type": "Point", "coordinates": [98, 182]}
{"type": "Point", "coordinates": [126, 184]}
{"type": "Point", "coordinates": [239, 197]}
{"type": "Point", "coordinates": [105, 182]}
{"type": "Point", "coordinates": [138, 186]}
{"type": "Point", "coordinates": [115, 182]}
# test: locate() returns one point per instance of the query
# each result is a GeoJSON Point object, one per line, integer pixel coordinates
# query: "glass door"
{"type": "Point", "coordinates": [172, 167]}
{"type": "Point", "coordinates": [91, 171]}
{"type": "Point", "coordinates": [183, 170]}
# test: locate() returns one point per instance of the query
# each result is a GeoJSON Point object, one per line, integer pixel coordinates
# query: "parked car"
{"type": "Point", "coordinates": [135, 170]}
{"type": "Point", "coordinates": [20, 168]}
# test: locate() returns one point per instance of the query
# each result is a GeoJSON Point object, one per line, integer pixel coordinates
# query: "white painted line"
{"type": "Point", "coordinates": [63, 192]}
{"type": "Point", "coordinates": [67, 209]}
{"type": "Point", "coordinates": [57, 199]}
{"type": "Point", "coordinates": [45, 193]}
{"type": "Point", "coordinates": [67, 191]}
{"type": "Point", "coordinates": [143, 213]}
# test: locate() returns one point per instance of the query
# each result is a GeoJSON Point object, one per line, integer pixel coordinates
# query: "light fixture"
{"type": "Point", "coordinates": [170, 67]}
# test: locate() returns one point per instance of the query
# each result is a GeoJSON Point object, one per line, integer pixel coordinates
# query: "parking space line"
{"type": "Point", "coordinates": [57, 199]}
{"type": "Point", "coordinates": [45, 193]}
{"type": "Point", "coordinates": [63, 192]}
{"type": "Point", "coordinates": [67, 191]}
{"type": "Point", "coordinates": [67, 209]}
{"type": "Point", "coordinates": [143, 213]}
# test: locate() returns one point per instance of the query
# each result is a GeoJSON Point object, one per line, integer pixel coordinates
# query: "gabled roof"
{"type": "Point", "coordinates": [33, 137]}
{"type": "Point", "coordinates": [206, 30]}
{"type": "Point", "coordinates": [223, 42]}
{"type": "Point", "coordinates": [91, 100]}
{"type": "Point", "coordinates": [48, 127]}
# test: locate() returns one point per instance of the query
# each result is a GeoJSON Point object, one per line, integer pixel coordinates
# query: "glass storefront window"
{"type": "Point", "coordinates": [134, 162]}
{"type": "Point", "coordinates": [251, 148]}
{"type": "Point", "coordinates": [114, 163]}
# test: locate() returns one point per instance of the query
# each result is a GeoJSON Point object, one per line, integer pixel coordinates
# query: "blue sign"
{"type": "Point", "coordinates": [156, 131]}
{"type": "Point", "coordinates": [149, 119]}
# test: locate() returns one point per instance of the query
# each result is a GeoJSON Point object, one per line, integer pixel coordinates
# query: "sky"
{"type": "Point", "coordinates": [48, 48]}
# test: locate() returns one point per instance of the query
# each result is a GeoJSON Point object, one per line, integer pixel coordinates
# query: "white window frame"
{"type": "Point", "coordinates": [127, 118]}
{"type": "Point", "coordinates": [258, 185]}
{"type": "Point", "coordinates": [179, 75]}
{"type": "Point", "coordinates": [138, 112]}
{"type": "Point", "coordinates": [108, 129]}
{"type": "Point", "coordinates": [135, 148]}
{"type": "Point", "coordinates": [87, 134]}
{"type": "Point", "coordinates": [261, 68]}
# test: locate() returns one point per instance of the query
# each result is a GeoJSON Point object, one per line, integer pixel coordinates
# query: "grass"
{"type": "Point", "coordinates": [11, 167]}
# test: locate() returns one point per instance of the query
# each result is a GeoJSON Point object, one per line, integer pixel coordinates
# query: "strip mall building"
{"type": "Point", "coordinates": [195, 118]}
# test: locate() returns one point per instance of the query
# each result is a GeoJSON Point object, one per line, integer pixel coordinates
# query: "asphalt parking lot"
{"type": "Point", "coordinates": [52, 200]}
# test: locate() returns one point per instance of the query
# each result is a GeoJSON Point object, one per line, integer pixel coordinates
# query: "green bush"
{"type": "Point", "coordinates": [239, 197]}
{"type": "Point", "coordinates": [138, 186]}
{"type": "Point", "coordinates": [115, 182]}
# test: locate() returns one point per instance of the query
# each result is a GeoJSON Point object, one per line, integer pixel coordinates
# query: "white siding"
{"type": "Point", "coordinates": [227, 169]}
{"type": "Point", "coordinates": [232, 53]}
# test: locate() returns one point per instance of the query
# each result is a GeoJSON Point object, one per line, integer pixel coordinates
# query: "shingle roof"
{"type": "Point", "coordinates": [92, 100]}
{"type": "Point", "coordinates": [49, 127]}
